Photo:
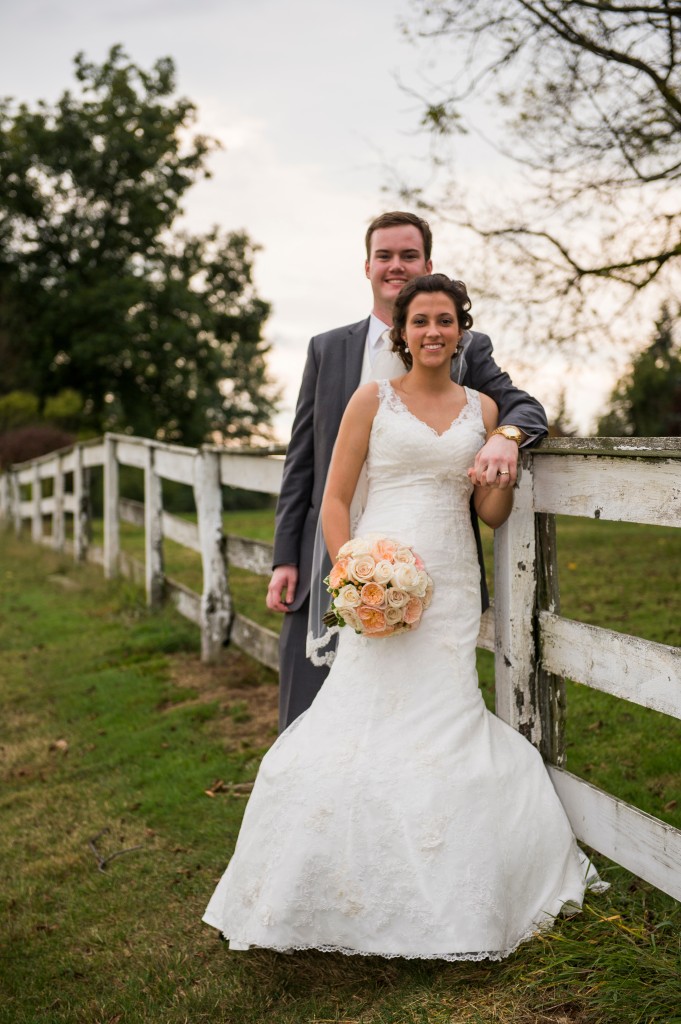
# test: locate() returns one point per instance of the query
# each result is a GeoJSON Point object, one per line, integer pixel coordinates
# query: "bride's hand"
{"type": "Point", "coordinates": [496, 464]}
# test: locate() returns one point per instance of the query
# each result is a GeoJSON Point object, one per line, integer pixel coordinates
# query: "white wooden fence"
{"type": "Point", "coordinates": [632, 480]}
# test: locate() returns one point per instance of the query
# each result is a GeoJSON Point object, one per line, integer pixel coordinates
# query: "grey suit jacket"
{"type": "Point", "coordinates": [332, 373]}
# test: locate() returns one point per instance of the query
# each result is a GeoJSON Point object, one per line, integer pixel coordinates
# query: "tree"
{"type": "Point", "coordinates": [588, 93]}
{"type": "Point", "coordinates": [647, 401]}
{"type": "Point", "coordinates": [159, 332]}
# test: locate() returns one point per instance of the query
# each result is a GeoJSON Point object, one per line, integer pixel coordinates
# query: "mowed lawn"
{"type": "Point", "coordinates": [125, 767]}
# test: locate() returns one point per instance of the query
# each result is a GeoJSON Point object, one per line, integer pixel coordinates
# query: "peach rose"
{"type": "Point", "coordinates": [373, 594]}
{"type": "Point", "coordinates": [396, 598]}
{"type": "Point", "coordinates": [347, 597]}
{"type": "Point", "coordinates": [373, 619]}
{"type": "Point", "coordinates": [405, 576]}
{"type": "Point", "coordinates": [413, 611]}
{"type": "Point", "coordinates": [384, 549]}
{"type": "Point", "coordinates": [361, 569]}
{"type": "Point", "coordinates": [383, 570]}
{"type": "Point", "coordinates": [418, 562]}
{"type": "Point", "coordinates": [339, 573]}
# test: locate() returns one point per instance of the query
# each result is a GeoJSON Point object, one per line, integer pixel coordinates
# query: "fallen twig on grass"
{"type": "Point", "coordinates": [103, 861]}
{"type": "Point", "coordinates": [232, 788]}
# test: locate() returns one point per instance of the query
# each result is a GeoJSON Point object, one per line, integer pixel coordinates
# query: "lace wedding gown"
{"type": "Point", "coordinates": [398, 816]}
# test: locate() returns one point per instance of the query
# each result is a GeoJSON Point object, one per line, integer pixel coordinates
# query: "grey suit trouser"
{"type": "Point", "coordinates": [294, 667]}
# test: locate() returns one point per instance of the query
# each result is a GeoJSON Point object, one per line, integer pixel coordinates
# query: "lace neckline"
{"type": "Point", "coordinates": [397, 405]}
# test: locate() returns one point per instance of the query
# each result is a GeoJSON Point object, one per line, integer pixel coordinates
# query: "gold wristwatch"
{"type": "Point", "coordinates": [509, 432]}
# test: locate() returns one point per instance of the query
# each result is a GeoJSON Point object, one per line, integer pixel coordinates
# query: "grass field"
{"type": "Point", "coordinates": [113, 737]}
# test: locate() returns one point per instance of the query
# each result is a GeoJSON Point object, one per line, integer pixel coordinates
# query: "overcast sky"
{"type": "Point", "coordinates": [305, 97]}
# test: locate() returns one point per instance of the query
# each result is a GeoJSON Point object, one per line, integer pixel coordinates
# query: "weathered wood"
{"type": "Point", "coordinates": [617, 447]}
{"type": "Point", "coordinates": [261, 643]}
{"type": "Point", "coordinates": [550, 687]}
{"type": "Point", "coordinates": [132, 452]}
{"type": "Point", "coordinates": [186, 601]}
{"type": "Point", "coordinates": [153, 531]}
{"type": "Point", "coordinates": [642, 844]}
{"type": "Point", "coordinates": [251, 472]}
{"type": "Point", "coordinates": [15, 492]}
{"type": "Point", "coordinates": [176, 464]}
{"type": "Point", "coordinates": [216, 601]}
{"type": "Point", "coordinates": [253, 555]}
{"type": "Point", "coordinates": [5, 498]}
{"type": "Point", "coordinates": [182, 531]}
{"type": "Point", "coordinates": [514, 601]}
{"type": "Point", "coordinates": [58, 526]}
{"type": "Point", "coordinates": [112, 542]}
{"type": "Point", "coordinates": [633, 491]}
{"type": "Point", "coordinates": [81, 507]}
{"type": "Point", "coordinates": [131, 511]}
{"type": "Point", "coordinates": [37, 503]}
{"type": "Point", "coordinates": [637, 670]}
{"type": "Point", "coordinates": [93, 454]}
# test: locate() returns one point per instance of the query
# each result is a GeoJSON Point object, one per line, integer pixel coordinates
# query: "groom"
{"type": "Point", "coordinates": [398, 247]}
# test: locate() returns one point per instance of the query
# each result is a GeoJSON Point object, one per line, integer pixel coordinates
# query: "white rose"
{"type": "Point", "coordinates": [361, 546]}
{"type": "Point", "coordinates": [420, 589]}
{"type": "Point", "coordinates": [428, 596]}
{"type": "Point", "coordinates": [405, 555]}
{"type": "Point", "coordinates": [405, 576]}
{"type": "Point", "coordinates": [361, 568]}
{"type": "Point", "coordinates": [393, 616]}
{"type": "Point", "coordinates": [383, 570]}
{"type": "Point", "coordinates": [347, 597]}
{"type": "Point", "coordinates": [352, 619]}
{"type": "Point", "coordinates": [397, 598]}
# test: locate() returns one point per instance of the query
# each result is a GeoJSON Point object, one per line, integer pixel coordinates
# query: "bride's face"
{"type": "Point", "coordinates": [432, 331]}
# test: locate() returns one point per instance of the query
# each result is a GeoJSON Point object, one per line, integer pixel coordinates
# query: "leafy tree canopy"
{"type": "Point", "coordinates": [585, 96]}
{"type": "Point", "coordinates": [158, 331]}
{"type": "Point", "coordinates": [646, 402]}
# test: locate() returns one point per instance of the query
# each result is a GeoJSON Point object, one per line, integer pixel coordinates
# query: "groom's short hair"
{"type": "Point", "coordinates": [395, 219]}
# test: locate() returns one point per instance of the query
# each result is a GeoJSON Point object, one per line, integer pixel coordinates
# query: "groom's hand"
{"type": "Point", "coordinates": [496, 464]}
{"type": "Point", "coordinates": [282, 589]}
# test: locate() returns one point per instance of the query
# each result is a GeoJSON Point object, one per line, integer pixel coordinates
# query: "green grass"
{"type": "Point", "coordinates": [107, 723]}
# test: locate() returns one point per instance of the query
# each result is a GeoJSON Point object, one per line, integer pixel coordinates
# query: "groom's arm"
{"type": "Point", "coordinates": [516, 407]}
{"type": "Point", "coordinates": [496, 464]}
{"type": "Point", "coordinates": [298, 478]}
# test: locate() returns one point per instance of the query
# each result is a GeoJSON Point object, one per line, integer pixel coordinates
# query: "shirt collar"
{"type": "Point", "coordinates": [376, 328]}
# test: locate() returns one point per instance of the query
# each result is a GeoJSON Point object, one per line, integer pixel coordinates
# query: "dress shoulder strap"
{"type": "Point", "coordinates": [473, 399]}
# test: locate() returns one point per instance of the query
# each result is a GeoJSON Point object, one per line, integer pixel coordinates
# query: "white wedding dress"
{"type": "Point", "coordinates": [398, 816]}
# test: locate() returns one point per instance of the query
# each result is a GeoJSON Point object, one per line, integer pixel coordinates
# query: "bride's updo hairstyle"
{"type": "Point", "coordinates": [430, 284]}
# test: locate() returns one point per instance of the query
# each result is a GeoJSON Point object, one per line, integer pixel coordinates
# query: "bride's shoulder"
{"type": "Point", "coordinates": [489, 410]}
{"type": "Point", "coordinates": [366, 398]}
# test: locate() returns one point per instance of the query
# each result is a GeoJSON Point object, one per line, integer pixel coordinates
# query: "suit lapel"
{"type": "Point", "coordinates": [354, 354]}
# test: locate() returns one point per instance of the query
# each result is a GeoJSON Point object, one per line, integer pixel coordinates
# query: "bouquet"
{"type": "Point", "coordinates": [379, 587]}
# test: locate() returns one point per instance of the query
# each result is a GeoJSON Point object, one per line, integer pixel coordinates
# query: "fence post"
{"type": "Point", "coordinates": [216, 601]}
{"type": "Point", "coordinates": [37, 498]}
{"type": "Point", "coordinates": [5, 498]}
{"type": "Point", "coordinates": [58, 499]}
{"type": "Point", "coordinates": [112, 542]}
{"type": "Point", "coordinates": [153, 531]}
{"type": "Point", "coordinates": [81, 499]}
{"type": "Point", "coordinates": [16, 500]}
{"type": "Point", "coordinates": [550, 688]}
{"type": "Point", "coordinates": [515, 586]}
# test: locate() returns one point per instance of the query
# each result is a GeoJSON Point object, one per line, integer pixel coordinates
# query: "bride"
{"type": "Point", "coordinates": [398, 816]}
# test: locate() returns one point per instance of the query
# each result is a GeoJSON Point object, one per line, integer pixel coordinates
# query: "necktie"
{"type": "Point", "coordinates": [387, 363]}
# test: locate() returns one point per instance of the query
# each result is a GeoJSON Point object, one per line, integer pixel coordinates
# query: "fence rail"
{"type": "Point", "coordinates": [535, 648]}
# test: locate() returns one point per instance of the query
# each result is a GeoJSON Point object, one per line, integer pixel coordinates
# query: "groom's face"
{"type": "Point", "coordinates": [396, 256]}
